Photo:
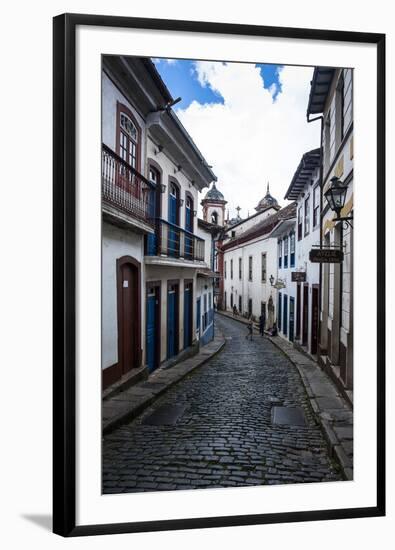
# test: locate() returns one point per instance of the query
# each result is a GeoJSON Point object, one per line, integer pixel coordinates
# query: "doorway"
{"type": "Point", "coordinates": [314, 320]}
{"type": "Point", "coordinates": [188, 307]}
{"type": "Point", "coordinates": [128, 282]}
{"type": "Point", "coordinates": [172, 319]}
{"type": "Point", "coordinates": [153, 326]}
{"type": "Point", "coordinates": [305, 314]}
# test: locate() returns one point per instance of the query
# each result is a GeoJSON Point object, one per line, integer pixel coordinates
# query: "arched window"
{"type": "Point", "coordinates": [128, 137]}
{"type": "Point", "coordinates": [214, 217]}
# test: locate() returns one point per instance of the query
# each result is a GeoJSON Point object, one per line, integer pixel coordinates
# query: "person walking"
{"type": "Point", "coordinates": [262, 322]}
{"type": "Point", "coordinates": [250, 328]}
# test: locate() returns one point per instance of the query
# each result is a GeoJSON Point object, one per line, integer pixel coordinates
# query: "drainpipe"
{"type": "Point", "coordinates": [321, 178]}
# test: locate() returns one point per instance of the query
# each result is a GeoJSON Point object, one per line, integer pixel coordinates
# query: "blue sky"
{"type": "Point", "coordinates": [181, 79]}
{"type": "Point", "coordinates": [266, 107]}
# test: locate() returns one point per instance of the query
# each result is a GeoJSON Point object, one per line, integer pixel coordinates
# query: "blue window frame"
{"type": "Point", "coordinates": [292, 250]}
{"type": "Point", "coordinates": [285, 252]}
{"type": "Point", "coordinates": [280, 252]}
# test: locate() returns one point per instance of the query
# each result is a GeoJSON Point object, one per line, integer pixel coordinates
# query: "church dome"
{"type": "Point", "coordinates": [213, 194]}
{"type": "Point", "coordinates": [267, 202]}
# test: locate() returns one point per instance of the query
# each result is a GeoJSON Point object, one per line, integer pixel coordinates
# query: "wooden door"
{"type": "Point", "coordinates": [298, 311]}
{"type": "Point", "coordinates": [291, 318]}
{"type": "Point", "coordinates": [305, 329]}
{"type": "Point", "coordinates": [128, 315]}
{"type": "Point", "coordinates": [172, 320]}
{"type": "Point", "coordinates": [173, 238]}
{"type": "Point", "coordinates": [314, 321]}
{"type": "Point", "coordinates": [153, 327]}
{"type": "Point", "coordinates": [188, 301]}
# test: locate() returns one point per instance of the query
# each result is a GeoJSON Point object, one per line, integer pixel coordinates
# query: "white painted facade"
{"type": "Point", "coordinates": [336, 315]}
{"type": "Point", "coordinates": [165, 148]}
{"type": "Point", "coordinates": [284, 235]}
{"type": "Point", "coordinates": [247, 279]}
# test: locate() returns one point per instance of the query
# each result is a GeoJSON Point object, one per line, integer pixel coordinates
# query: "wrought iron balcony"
{"type": "Point", "coordinates": [174, 242]}
{"type": "Point", "coordinates": [125, 189]}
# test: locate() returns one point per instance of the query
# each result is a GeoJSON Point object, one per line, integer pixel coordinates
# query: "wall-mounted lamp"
{"type": "Point", "coordinates": [336, 197]}
{"type": "Point", "coordinates": [181, 202]}
{"type": "Point", "coordinates": [195, 213]}
{"type": "Point", "coordinates": [162, 187]}
{"type": "Point", "coordinates": [271, 279]}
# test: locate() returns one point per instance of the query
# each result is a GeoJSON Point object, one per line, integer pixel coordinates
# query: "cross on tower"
{"type": "Point", "coordinates": [238, 211]}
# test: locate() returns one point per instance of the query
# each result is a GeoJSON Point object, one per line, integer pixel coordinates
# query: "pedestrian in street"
{"type": "Point", "coordinates": [262, 322]}
{"type": "Point", "coordinates": [235, 312]}
{"type": "Point", "coordinates": [250, 328]}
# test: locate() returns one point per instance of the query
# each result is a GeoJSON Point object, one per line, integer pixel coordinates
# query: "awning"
{"type": "Point", "coordinates": [322, 80]}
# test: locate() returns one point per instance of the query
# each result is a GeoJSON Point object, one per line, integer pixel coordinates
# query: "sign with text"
{"type": "Point", "coordinates": [298, 276]}
{"type": "Point", "coordinates": [326, 255]}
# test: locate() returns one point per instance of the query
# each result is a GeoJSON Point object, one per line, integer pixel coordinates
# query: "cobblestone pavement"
{"type": "Point", "coordinates": [225, 437]}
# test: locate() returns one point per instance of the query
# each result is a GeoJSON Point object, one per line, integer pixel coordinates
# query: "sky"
{"type": "Point", "coordinates": [248, 120]}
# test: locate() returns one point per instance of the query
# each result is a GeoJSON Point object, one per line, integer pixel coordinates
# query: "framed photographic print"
{"type": "Point", "coordinates": [219, 277]}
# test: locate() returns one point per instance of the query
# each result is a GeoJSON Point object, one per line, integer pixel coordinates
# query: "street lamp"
{"type": "Point", "coordinates": [336, 197]}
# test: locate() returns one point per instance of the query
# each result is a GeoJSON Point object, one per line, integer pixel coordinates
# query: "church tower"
{"type": "Point", "coordinates": [214, 206]}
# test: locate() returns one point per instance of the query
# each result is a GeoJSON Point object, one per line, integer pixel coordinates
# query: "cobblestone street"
{"type": "Point", "coordinates": [225, 435]}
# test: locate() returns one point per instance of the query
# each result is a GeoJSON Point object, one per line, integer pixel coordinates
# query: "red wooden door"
{"type": "Point", "coordinates": [128, 316]}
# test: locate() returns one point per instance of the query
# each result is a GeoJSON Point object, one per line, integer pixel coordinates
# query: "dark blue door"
{"type": "Point", "coordinates": [279, 312]}
{"type": "Point", "coordinates": [198, 315]}
{"type": "Point", "coordinates": [152, 238]}
{"type": "Point", "coordinates": [189, 227]}
{"type": "Point", "coordinates": [291, 318]}
{"type": "Point", "coordinates": [151, 329]}
{"type": "Point", "coordinates": [285, 316]}
{"type": "Point", "coordinates": [171, 321]}
{"type": "Point", "coordinates": [188, 315]}
{"type": "Point", "coordinates": [172, 244]}
{"type": "Point", "coordinates": [154, 199]}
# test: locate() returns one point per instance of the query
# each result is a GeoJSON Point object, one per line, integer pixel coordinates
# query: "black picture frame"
{"type": "Point", "coordinates": [64, 273]}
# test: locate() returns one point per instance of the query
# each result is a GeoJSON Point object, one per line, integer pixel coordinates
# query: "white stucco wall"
{"type": "Point", "coordinates": [116, 243]}
{"type": "Point", "coordinates": [110, 96]}
{"type": "Point", "coordinates": [170, 169]}
{"type": "Point", "coordinates": [257, 290]}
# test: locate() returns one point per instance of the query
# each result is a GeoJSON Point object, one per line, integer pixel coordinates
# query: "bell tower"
{"type": "Point", "coordinates": [214, 206]}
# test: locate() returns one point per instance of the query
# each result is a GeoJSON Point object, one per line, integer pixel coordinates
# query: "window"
{"type": "Point", "coordinates": [347, 99]}
{"type": "Point", "coordinates": [292, 250]}
{"type": "Point", "coordinates": [339, 102]}
{"type": "Point", "coordinates": [250, 268]}
{"type": "Point", "coordinates": [280, 252]}
{"type": "Point", "coordinates": [307, 216]}
{"type": "Point", "coordinates": [225, 268]}
{"type": "Point", "coordinates": [233, 234]}
{"type": "Point", "coordinates": [231, 300]}
{"type": "Point", "coordinates": [128, 135]}
{"type": "Point", "coordinates": [214, 217]}
{"type": "Point", "coordinates": [240, 304]}
{"type": "Point", "coordinates": [327, 139]}
{"type": "Point", "coordinates": [231, 269]}
{"type": "Point", "coordinates": [285, 252]}
{"type": "Point", "coordinates": [225, 300]}
{"type": "Point", "coordinates": [249, 307]}
{"type": "Point", "coordinates": [316, 205]}
{"type": "Point", "coordinates": [263, 268]}
{"type": "Point", "coordinates": [240, 269]}
{"type": "Point", "coordinates": [300, 235]}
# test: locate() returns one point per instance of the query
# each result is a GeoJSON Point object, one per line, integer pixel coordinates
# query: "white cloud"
{"type": "Point", "coordinates": [251, 139]}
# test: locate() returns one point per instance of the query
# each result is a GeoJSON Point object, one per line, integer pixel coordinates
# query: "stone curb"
{"type": "Point", "coordinates": [335, 445]}
{"type": "Point", "coordinates": [120, 408]}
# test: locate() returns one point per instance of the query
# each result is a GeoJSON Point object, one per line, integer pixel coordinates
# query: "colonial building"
{"type": "Point", "coordinates": [331, 101]}
{"type": "Point", "coordinates": [152, 173]}
{"type": "Point", "coordinates": [284, 235]}
{"type": "Point", "coordinates": [305, 276]}
{"type": "Point", "coordinates": [250, 261]}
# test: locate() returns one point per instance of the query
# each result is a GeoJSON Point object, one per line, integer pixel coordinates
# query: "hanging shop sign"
{"type": "Point", "coordinates": [298, 276]}
{"type": "Point", "coordinates": [326, 255]}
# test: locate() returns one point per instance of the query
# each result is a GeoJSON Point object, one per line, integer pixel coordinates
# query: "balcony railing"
{"type": "Point", "coordinates": [126, 189]}
{"type": "Point", "coordinates": [172, 241]}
